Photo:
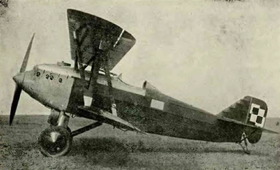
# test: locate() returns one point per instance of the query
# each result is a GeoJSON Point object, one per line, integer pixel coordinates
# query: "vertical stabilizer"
{"type": "Point", "coordinates": [248, 110]}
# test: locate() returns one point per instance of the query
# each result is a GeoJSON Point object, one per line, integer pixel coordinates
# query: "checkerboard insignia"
{"type": "Point", "coordinates": [257, 115]}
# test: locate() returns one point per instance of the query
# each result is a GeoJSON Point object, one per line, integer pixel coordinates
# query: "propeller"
{"type": "Point", "coordinates": [18, 89]}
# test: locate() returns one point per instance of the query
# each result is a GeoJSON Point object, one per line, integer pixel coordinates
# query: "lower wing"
{"type": "Point", "coordinates": [106, 117]}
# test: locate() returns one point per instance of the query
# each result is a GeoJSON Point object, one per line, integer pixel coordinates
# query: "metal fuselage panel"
{"type": "Point", "coordinates": [51, 89]}
{"type": "Point", "coordinates": [62, 88]}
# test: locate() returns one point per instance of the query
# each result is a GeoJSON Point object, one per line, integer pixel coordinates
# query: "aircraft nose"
{"type": "Point", "coordinates": [19, 78]}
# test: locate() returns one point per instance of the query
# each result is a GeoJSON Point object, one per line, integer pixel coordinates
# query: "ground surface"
{"type": "Point", "coordinates": [108, 148]}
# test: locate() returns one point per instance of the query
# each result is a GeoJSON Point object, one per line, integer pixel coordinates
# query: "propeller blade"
{"type": "Point", "coordinates": [18, 89]}
{"type": "Point", "coordinates": [15, 103]}
{"type": "Point", "coordinates": [26, 57]}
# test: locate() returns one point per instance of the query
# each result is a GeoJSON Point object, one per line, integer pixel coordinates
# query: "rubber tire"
{"type": "Point", "coordinates": [63, 135]}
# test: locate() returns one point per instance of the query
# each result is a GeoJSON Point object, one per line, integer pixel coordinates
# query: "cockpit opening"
{"type": "Point", "coordinates": [148, 85]}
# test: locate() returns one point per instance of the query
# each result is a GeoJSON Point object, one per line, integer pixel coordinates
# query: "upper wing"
{"type": "Point", "coordinates": [106, 117]}
{"type": "Point", "coordinates": [88, 32]}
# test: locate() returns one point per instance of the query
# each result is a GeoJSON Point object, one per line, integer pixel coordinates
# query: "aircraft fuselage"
{"type": "Point", "coordinates": [61, 88]}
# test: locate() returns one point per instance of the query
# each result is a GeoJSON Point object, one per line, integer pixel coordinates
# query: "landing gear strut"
{"type": "Point", "coordinates": [244, 139]}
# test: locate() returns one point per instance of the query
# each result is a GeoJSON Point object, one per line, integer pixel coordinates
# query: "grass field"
{"type": "Point", "coordinates": [108, 148]}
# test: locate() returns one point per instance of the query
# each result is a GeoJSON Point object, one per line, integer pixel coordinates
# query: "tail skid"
{"type": "Point", "coordinates": [245, 140]}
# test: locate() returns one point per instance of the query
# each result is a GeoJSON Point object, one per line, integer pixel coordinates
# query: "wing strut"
{"type": "Point", "coordinates": [110, 88]}
{"type": "Point", "coordinates": [102, 59]}
{"type": "Point", "coordinates": [83, 30]}
{"type": "Point", "coordinates": [98, 59]}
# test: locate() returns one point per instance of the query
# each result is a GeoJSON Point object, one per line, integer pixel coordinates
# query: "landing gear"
{"type": "Point", "coordinates": [244, 139]}
{"type": "Point", "coordinates": [55, 141]}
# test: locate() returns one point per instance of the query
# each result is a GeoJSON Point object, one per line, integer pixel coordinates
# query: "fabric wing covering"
{"type": "Point", "coordinates": [86, 31]}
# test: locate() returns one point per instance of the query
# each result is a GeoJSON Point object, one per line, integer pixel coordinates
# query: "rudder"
{"type": "Point", "coordinates": [257, 113]}
{"type": "Point", "coordinates": [249, 110]}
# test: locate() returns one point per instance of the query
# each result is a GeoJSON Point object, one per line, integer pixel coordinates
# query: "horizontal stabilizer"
{"type": "Point", "coordinates": [245, 125]}
{"type": "Point", "coordinates": [106, 117]}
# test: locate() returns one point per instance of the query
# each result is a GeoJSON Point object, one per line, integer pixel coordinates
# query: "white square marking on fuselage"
{"type": "Point", "coordinates": [157, 104]}
{"type": "Point", "coordinates": [87, 100]}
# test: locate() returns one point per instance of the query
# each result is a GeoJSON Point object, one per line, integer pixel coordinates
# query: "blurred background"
{"type": "Point", "coordinates": [206, 53]}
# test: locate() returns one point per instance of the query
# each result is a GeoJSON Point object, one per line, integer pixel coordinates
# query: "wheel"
{"type": "Point", "coordinates": [55, 141]}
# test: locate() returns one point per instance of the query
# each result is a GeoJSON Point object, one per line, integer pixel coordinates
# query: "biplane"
{"type": "Point", "coordinates": [89, 90]}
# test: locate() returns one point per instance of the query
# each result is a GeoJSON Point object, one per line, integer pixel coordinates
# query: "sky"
{"type": "Point", "coordinates": [206, 53]}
